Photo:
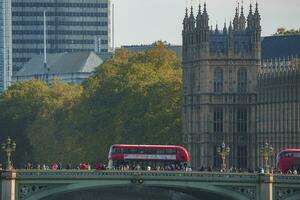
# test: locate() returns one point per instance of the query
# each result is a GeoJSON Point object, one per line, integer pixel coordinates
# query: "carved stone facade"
{"type": "Point", "coordinates": [220, 77]}
{"type": "Point", "coordinates": [230, 95]}
{"type": "Point", "coordinates": [278, 109]}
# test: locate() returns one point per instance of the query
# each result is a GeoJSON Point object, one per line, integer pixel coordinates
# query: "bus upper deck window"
{"type": "Point", "coordinates": [297, 155]}
{"type": "Point", "coordinates": [117, 150]}
{"type": "Point", "coordinates": [132, 150]}
{"type": "Point", "coordinates": [159, 151]}
{"type": "Point", "coordinates": [170, 151]}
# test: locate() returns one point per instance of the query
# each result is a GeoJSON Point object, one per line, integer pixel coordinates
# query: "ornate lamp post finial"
{"type": "Point", "coordinates": [266, 151]}
{"type": "Point", "coordinates": [223, 151]}
{"type": "Point", "coordinates": [9, 146]}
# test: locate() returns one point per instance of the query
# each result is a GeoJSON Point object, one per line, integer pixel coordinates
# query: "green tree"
{"type": "Point", "coordinates": [283, 31]}
{"type": "Point", "coordinates": [34, 114]}
{"type": "Point", "coordinates": [134, 98]}
{"type": "Point", "coordinates": [296, 63]}
{"type": "Point", "coordinates": [52, 135]}
{"type": "Point", "coordinates": [19, 107]}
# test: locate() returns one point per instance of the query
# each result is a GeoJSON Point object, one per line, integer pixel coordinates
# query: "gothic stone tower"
{"type": "Point", "coordinates": [219, 77]}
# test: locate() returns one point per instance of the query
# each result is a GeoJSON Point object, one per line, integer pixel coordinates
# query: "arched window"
{"type": "Point", "coordinates": [242, 120]}
{"type": "Point", "coordinates": [218, 80]}
{"type": "Point", "coordinates": [242, 80]}
{"type": "Point", "coordinates": [218, 120]}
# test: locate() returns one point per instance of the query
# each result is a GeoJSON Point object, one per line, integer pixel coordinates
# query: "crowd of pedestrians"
{"type": "Point", "coordinates": [145, 167]}
{"type": "Point", "coordinates": [59, 166]}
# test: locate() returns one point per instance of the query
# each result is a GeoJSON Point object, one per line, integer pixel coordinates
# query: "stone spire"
{"type": "Point", "coordinates": [256, 16]}
{"type": "Point", "coordinates": [191, 20]}
{"type": "Point", "coordinates": [217, 30]}
{"type": "Point", "coordinates": [256, 35]}
{"type": "Point", "coordinates": [199, 18]}
{"type": "Point", "coordinates": [230, 39]}
{"type": "Point", "coordinates": [205, 16]}
{"type": "Point", "coordinates": [185, 20]}
{"type": "Point", "coordinates": [236, 20]}
{"type": "Point", "coordinates": [225, 28]}
{"type": "Point", "coordinates": [250, 18]}
{"type": "Point", "coordinates": [242, 21]}
{"type": "Point", "coordinates": [230, 27]}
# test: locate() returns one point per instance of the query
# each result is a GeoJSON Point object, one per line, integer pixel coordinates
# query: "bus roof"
{"type": "Point", "coordinates": [290, 150]}
{"type": "Point", "coordinates": [143, 146]}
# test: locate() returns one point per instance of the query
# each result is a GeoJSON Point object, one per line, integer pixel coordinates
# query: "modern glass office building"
{"type": "Point", "coordinates": [72, 25]}
{"type": "Point", "coordinates": [5, 44]}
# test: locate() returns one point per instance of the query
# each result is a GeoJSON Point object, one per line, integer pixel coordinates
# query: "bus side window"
{"type": "Point", "coordinates": [132, 150]}
{"type": "Point", "coordinates": [115, 150]}
{"type": "Point", "coordinates": [170, 151]}
{"type": "Point", "coordinates": [159, 151]}
{"type": "Point", "coordinates": [297, 155]}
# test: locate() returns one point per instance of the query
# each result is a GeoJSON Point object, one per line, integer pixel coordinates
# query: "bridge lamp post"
{"type": "Point", "coordinates": [9, 146]}
{"type": "Point", "coordinates": [223, 151]}
{"type": "Point", "coordinates": [266, 151]}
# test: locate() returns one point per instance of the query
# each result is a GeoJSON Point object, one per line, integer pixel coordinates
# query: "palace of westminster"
{"type": "Point", "coordinates": [231, 95]}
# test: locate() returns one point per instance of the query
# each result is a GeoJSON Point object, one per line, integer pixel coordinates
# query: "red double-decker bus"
{"type": "Point", "coordinates": [289, 159]}
{"type": "Point", "coordinates": [147, 155]}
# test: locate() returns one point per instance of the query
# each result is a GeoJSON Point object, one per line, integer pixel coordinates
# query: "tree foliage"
{"type": "Point", "coordinates": [295, 63]}
{"type": "Point", "coordinates": [26, 113]}
{"type": "Point", "coordinates": [52, 134]}
{"type": "Point", "coordinates": [133, 98]}
{"type": "Point", "coordinates": [283, 31]}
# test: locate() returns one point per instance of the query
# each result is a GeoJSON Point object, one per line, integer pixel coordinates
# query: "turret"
{"type": "Point", "coordinates": [236, 20]}
{"type": "Point", "coordinates": [205, 17]}
{"type": "Point", "coordinates": [225, 28]}
{"type": "Point", "coordinates": [199, 26]}
{"type": "Point", "coordinates": [257, 18]}
{"type": "Point", "coordinates": [216, 30]}
{"type": "Point", "coordinates": [199, 19]}
{"type": "Point", "coordinates": [202, 29]}
{"type": "Point", "coordinates": [256, 34]}
{"type": "Point", "coordinates": [185, 37]}
{"type": "Point", "coordinates": [230, 40]}
{"type": "Point", "coordinates": [185, 21]}
{"type": "Point", "coordinates": [191, 21]}
{"type": "Point", "coordinates": [250, 19]}
{"type": "Point", "coordinates": [242, 21]}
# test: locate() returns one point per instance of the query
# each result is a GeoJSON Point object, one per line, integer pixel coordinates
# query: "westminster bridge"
{"type": "Point", "coordinates": [47, 184]}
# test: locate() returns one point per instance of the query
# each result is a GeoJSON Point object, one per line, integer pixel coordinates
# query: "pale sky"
{"type": "Point", "coordinates": [145, 21]}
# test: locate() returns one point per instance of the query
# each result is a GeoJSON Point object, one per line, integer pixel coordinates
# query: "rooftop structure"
{"type": "Point", "coordinates": [280, 46]}
{"type": "Point", "coordinates": [69, 67]}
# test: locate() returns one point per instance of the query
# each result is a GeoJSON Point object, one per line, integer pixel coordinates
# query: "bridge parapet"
{"type": "Point", "coordinates": [201, 176]}
{"type": "Point", "coordinates": [35, 184]}
{"type": "Point", "coordinates": [286, 187]}
{"type": "Point", "coordinates": [286, 178]}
